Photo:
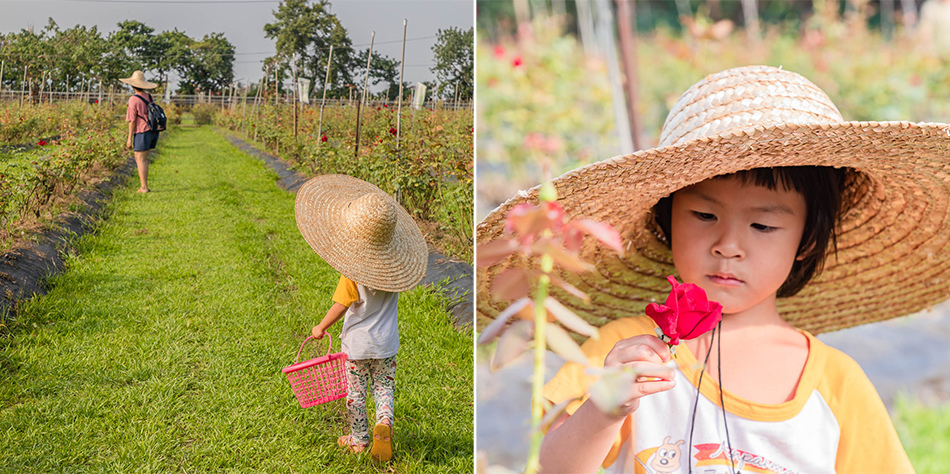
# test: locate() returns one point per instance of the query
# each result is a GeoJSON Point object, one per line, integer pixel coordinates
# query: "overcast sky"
{"type": "Point", "coordinates": [242, 22]}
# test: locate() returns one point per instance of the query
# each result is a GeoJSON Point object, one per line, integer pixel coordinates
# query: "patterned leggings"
{"type": "Point", "coordinates": [358, 376]}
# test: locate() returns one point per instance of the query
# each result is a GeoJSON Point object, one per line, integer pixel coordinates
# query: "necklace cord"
{"type": "Point", "coordinates": [692, 423]}
{"type": "Point", "coordinates": [722, 402]}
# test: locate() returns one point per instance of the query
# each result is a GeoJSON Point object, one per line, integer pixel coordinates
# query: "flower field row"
{"type": "Point", "coordinates": [431, 172]}
{"type": "Point", "coordinates": [34, 180]}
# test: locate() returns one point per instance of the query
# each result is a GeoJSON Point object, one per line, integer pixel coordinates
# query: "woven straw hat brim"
{"type": "Point", "coordinates": [893, 241]}
{"type": "Point", "coordinates": [322, 217]}
{"type": "Point", "coordinates": [138, 80]}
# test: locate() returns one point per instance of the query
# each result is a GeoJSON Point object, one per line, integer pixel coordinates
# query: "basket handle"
{"type": "Point", "coordinates": [329, 346]}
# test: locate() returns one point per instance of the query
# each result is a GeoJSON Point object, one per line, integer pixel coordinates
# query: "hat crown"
{"type": "Point", "coordinates": [745, 98]}
{"type": "Point", "coordinates": [371, 217]}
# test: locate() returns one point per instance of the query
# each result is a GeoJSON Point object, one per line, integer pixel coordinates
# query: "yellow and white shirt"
{"type": "Point", "coordinates": [836, 421]}
{"type": "Point", "coordinates": [370, 325]}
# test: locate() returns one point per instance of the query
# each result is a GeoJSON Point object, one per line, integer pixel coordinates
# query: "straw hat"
{"type": "Point", "coordinates": [138, 80]}
{"type": "Point", "coordinates": [894, 235]}
{"type": "Point", "coordinates": [362, 232]}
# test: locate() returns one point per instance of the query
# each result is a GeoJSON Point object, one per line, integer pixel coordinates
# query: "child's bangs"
{"type": "Point", "coordinates": [800, 179]}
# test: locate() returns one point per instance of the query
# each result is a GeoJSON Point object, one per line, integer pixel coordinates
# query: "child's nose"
{"type": "Point", "coordinates": [729, 244]}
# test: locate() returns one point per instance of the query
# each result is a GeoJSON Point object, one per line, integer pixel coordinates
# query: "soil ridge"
{"type": "Point", "coordinates": [25, 268]}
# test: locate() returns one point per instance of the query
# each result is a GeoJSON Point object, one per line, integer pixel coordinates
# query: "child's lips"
{"type": "Point", "coordinates": [725, 279]}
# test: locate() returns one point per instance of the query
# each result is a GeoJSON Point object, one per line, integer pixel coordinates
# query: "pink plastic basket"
{"type": "Point", "coordinates": [319, 380]}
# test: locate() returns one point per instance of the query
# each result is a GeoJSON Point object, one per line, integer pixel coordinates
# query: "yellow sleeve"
{"type": "Point", "coordinates": [346, 293]}
{"type": "Point", "coordinates": [571, 382]}
{"type": "Point", "coordinates": [867, 440]}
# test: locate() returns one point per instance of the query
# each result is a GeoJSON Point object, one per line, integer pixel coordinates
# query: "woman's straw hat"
{"type": "Point", "coordinates": [362, 232]}
{"type": "Point", "coordinates": [894, 236]}
{"type": "Point", "coordinates": [138, 80]}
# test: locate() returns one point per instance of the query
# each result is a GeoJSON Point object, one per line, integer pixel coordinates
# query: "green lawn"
{"type": "Point", "coordinates": [925, 434]}
{"type": "Point", "coordinates": [161, 347]}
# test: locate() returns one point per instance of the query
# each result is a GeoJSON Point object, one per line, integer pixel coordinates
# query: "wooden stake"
{"type": "Point", "coordinates": [323, 102]}
{"type": "Point", "coordinates": [359, 107]}
{"type": "Point", "coordinates": [628, 51]}
{"type": "Point", "coordinates": [402, 67]}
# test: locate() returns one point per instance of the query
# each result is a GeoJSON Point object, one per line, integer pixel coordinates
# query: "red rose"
{"type": "Point", "coordinates": [687, 313]}
{"type": "Point", "coordinates": [323, 138]}
{"type": "Point", "coordinates": [42, 143]}
{"type": "Point", "coordinates": [392, 130]}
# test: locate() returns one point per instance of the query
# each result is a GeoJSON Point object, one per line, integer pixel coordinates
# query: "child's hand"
{"type": "Point", "coordinates": [645, 354]}
{"type": "Point", "coordinates": [128, 143]}
{"type": "Point", "coordinates": [318, 333]}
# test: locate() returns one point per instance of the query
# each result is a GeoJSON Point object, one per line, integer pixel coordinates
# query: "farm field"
{"type": "Point", "coordinates": [431, 172]}
{"type": "Point", "coordinates": [160, 347]}
{"type": "Point", "coordinates": [47, 153]}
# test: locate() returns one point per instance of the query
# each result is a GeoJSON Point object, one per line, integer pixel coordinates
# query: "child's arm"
{"type": "Point", "coordinates": [333, 315]}
{"type": "Point", "coordinates": [581, 442]}
{"type": "Point", "coordinates": [128, 141]}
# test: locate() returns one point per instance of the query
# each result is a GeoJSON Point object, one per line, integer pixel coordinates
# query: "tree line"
{"type": "Point", "coordinates": [304, 31]}
{"type": "Point", "coordinates": [70, 59]}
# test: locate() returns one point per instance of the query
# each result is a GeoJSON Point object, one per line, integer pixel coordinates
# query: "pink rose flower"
{"type": "Point", "coordinates": [687, 313]}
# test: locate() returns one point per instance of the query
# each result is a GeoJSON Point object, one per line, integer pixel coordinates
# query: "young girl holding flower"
{"type": "Point", "coordinates": [756, 181]}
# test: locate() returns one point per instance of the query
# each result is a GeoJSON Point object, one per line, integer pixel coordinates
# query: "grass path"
{"type": "Point", "coordinates": [160, 348]}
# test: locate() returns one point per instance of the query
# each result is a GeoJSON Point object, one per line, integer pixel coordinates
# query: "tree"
{"type": "Point", "coordinates": [304, 33]}
{"type": "Point", "coordinates": [174, 52]}
{"type": "Point", "coordinates": [135, 42]}
{"type": "Point", "coordinates": [455, 62]}
{"type": "Point", "coordinates": [381, 69]}
{"type": "Point", "coordinates": [210, 66]}
{"type": "Point", "coordinates": [78, 52]}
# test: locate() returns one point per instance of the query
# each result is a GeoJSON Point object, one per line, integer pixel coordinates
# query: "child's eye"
{"type": "Point", "coordinates": [704, 216]}
{"type": "Point", "coordinates": [763, 227]}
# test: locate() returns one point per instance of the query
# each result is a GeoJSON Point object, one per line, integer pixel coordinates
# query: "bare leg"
{"type": "Point", "coordinates": [141, 161]}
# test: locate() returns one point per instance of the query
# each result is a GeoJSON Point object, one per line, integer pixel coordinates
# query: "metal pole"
{"type": "Point", "coordinates": [359, 107]}
{"type": "Point", "coordinates": [324, 101]}
{"type": "Point", "coordinates": [402, 66]}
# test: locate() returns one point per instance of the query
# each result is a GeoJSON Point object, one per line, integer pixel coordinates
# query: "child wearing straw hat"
{"type": "Point", "coordinates": [363, 233]}
{"type": "Point", "coordinates": [757, 178]}
{"type": "Point", "coordinates": [141, 140]}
